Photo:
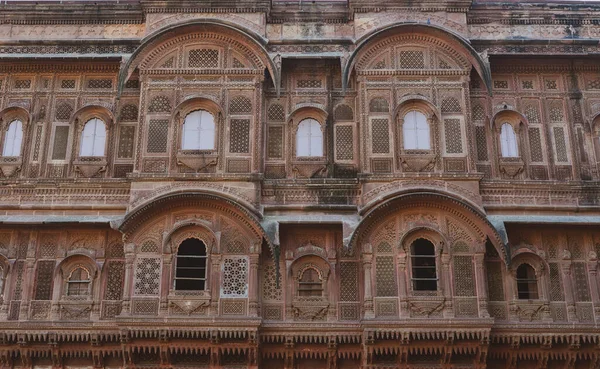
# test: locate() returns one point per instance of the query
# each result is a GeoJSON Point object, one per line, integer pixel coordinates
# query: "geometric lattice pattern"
{"type": "Point", "coordinates": [464, 278]}
{"type": "Point", "coordinates": [478, 113]}
{"type": "Point", "coordinates": [160, 104]}
{"type": "Point", "coordinates": [556, 290]}
{"type": "Point", "coordinates": [535, 145]}
{"type": "Point", "coordinates": [235, 277]}
{"type": "Point", "coordinates": [379, 105]}
{"type": "Point", "coordinates": [239, 136]}
{"type": "Point", "coordinates": [126, 136]}
{"type": "Point", "coordinates": [240, 105]}
{"type": "Point", "coordinates": [532, 113]}
{"type": "Point", "coordinates": [453, 136]}
{"type": "Point", "coordinates": [276, 113]}
{"type": "Point", "coordinates": [309, 83]}
{"type": "Point", "coordinates": [61, 140]}
{"type": "Point", "coordinates": [593, 84]}
{"type": "Point", "coordinates": [129, 113]}
{"type": "Point", "coordinates": [22, 84]}
{"type": "Point", "coordinates": [451, 105]}
{"type": "Point", "coordinates": [555, 111]}
{"type": "Point", "coordinates": [67, 84]}
{"type": "Point", "coordinates": [114, 280]}
{"type": "Point", "coordinates": [480, 140]}
{"type": "Point", "coordinates": [100, 83]}
{"type": "Point", "coordinates": [147, 276]}
{"type": "Point", "coordinates": [275, 142]}
{"type": "Point", "coordinates": [349, 281]}
{"type": "Point", "coordinates": [343, 143]}
{"type": "Point", "coordinates": [527, 84]}
{"type": "Point", "coordinates": [380, 136]}
{"type": "Point", "coordinates": [495, 281]}
{"type": "Point", "coordinates": [270, 290]}
{"type": "Point", "coordinates": [44, 280]}
{"type": "Point", "coordinates": [582, 289]}
{"type": "Point", "coordinates": [501, 84]}
{"type": "Point", "coordinates": [157, 136]}
{"type": "Point", "coordinates": [551, 84]}
{"type": "Point", "coordinates": [343, 112]}
{"type": "Point", "coordinates": [385, 276]}
{"type": "Point", "coordinates": [149, 246]}
{"type": "Point", "coordinates": [203, 58]}
{"type": "Point", "coordinates": [64, 110]}
{"type": "Point", "coordinates": [561, 145]}
{"type": "Point", "coordinates": [412, 59]}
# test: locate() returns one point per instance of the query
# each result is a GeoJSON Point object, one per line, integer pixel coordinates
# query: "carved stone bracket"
{"type": "Point", "coordinates": [197, 160]}
{"type": "Point", "coordinates": [10, 165]}
{"type": "Point", "coordinates": [418, 162]}
{"type": "Point", "coordinates": [511, 168]}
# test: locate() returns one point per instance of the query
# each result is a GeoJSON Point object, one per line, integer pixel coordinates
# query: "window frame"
{"type": "Point", "coordinates": [6, 137]}
{"type": "Point", "coordinates": [176, 260]}
{"type": "Point", "coordinates": [68, 283]}
{"type": "Point", "coordinates": [313, 123]}
{"type": "Point", "coordinates": [94, 138]}
{"type": "Point", "coordinates": [404, 131]}
{"type": "Point", "coordinates": [413, 256]}
{"type": "Point", "coordinates": [528, 281]}
{"type": "Point", "coordinates": [514, 145]}
{"type": "Point", "coordinates": [183, 131]}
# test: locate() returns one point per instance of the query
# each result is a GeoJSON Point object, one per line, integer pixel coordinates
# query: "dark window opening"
{"type": "Point", "coordinates": [526, 283]}
{"type": "Point", "coordinates": [424, 273]}
{"type": "Point", "coordinates": [190, 273]}
{"type": "Point", "coordinates": [310, 284]}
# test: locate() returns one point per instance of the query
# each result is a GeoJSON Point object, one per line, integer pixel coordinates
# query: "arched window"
{"type": "Point", "coordinates": [78, 283]}
{"type": "Point", "coordinates": [526, 283]}
{"type": "Point", "coordinates": [424, 272]}
{"type": "Point", "coordinates": [190, 271]}
{"type": "Point", "coordinates": [415, 131]}
{"type": "Point", "coordinates": [508, 141]}
{"type": "Point", "coordinates": [309, 138]}
{"type": "Point", "coordinates": [93, 138]}
{"type": "Point", "coordinates": [13, 139]}
{"type": "Point", "coordinates": [198, 131]}
{"type": "Point", "coordinates": [310, 284]}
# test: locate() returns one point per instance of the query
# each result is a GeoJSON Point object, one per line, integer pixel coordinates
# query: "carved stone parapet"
{"type": "Point", "coordinates": [90, 166]}
{"type": "Point", "coordinates": [197, 160]}
{"type": "Point", "coordinates": [10, 165]}
{"type": "Point", "coordinates": [511, 166]}
{"type": "Point", "coordinates": [418, 161]}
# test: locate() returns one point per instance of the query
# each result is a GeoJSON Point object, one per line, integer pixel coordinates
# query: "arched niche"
{"type": "Point", "coordinates": [157, 48]}
{"type": "Point", "coordinates": [455, 52]}
{"type": "Point", "coordinates": [441, 213]}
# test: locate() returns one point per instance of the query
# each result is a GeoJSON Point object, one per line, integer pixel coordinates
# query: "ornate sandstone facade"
{"type": "Point", "coordinates": [288, 184]}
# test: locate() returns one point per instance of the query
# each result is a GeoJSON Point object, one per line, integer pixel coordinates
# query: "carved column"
{"type": "Point", "coordinates": [367, 263]}
{"type": "Point", "coordinates": [165, 284]}
{"type": "Point", "coordinates": [27, 288]}
{"type": "Point", "coordinates": [565, 269]}
{"type": "Point", "coordinates": [402, 285]}
{"type": "Point", "coordinates": [253, 286]}
{"type": "Point", "coordinates": [482, 294]}
{"type": "Point", "coordinates": [446, 286]}
{"type": "Point", "coordinates": [215, 284]}
{"type": "Point", "coordinates": [593, 270]}
{"type": "Point", "coordinates": [127, 286]}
